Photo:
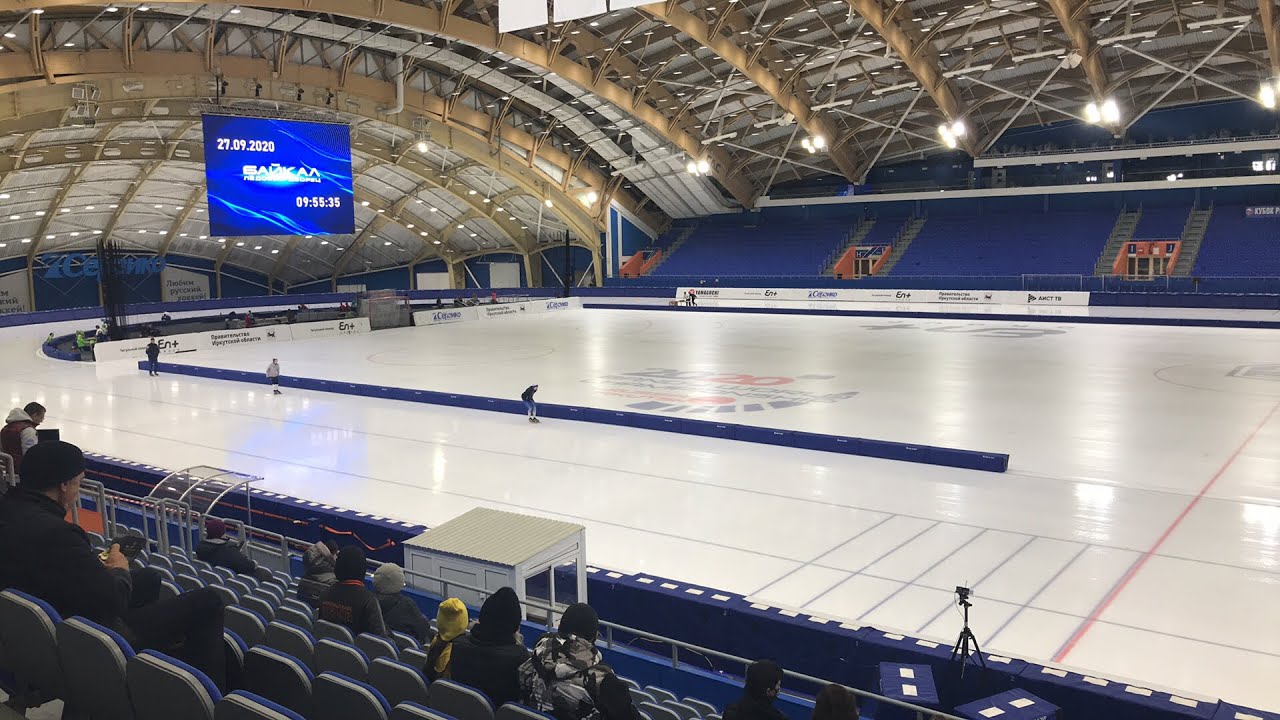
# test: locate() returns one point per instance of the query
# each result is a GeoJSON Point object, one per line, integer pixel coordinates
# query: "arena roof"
{"type": "Point", "coordinates": [581, 113]}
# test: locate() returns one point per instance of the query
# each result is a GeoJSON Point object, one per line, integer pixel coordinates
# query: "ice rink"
{"type": "Point", "coordinates": [1136, 534]}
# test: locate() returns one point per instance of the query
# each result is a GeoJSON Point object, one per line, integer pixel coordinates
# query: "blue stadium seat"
{"type": "Point", "coordinates": [228, 595]}
{"type": "Point", "coordinates": [375, 647]}
{"type": "Point", "coordinates": [684, 711]}
{"type": "Point", "coordinates": [169, 590]}
{"type": "Point", "coordinates": [241, 705]}
{"type": "Point", "coordinates": [325, 629]}
{"type": "Point", "coordinates": [416, 658]}
{"type": "Point", "coordinates": [226, 573]}
{"type": "Point", "coordinates": [236, 649]}
{"type": "Point", "coordinates": [657, 712]}
{"type": "Point", "coordinates": [238, 584]}
{"type": "Point", "coordinates": [705, 709]}
{"type": "Point", "coordinates": [94, 661]}
{"type": "Point", "coordinates": [163, 688]}
{"type": "Point", "coordinates": [337, 697]}
{"type": "Point", "coordinates": [158, 560]}
{"type": "Point", "coordinates": [292, 615]}
{"type": "Point", "coordinates": [300, 606]}
{"type": "Point", "coordinates": [415, 711]}
{"type": "Point", "coordinates": [210, 578]}
{"type": "Point", "coordinates": [397, 681]}
{"type": "Point", "coordinates": [515, 711]}
{"type": "Point", "coordinates": [280, 677]}
{"type": "Point", "coordinates": [341, 658]}
{"type": "Point", "coordinates": [660, 694]}
{"type": "Point", "coordinates": [461, 701]}
{"type": "Point", "coordinates": [403, 641]}
{"type": "Point", "coordinates": [259, 605]}
{"type": "Point", "coordinates": [248, 624]}
{"type": "Point", "coordinates": [27, 631]}
{"type": "Point", "coordinates": [291, 640]}
{"type": "Point", "coordinates": [640, 696]}
{"type": "Point", "coordinates": [189, 582]}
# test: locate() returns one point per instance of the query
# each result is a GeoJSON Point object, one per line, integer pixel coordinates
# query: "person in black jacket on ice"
{"type": "Point", "coordinates": [153, 357]}
{"type": "Point", "coordinates": [530, 405]}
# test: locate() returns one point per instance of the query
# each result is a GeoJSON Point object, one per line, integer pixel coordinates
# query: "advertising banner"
{"type": "Point", "coordinates": [857, 295]}
{"type": "Point", "coordinates": [330, 328]}
{"type": "Point", "coordinates": [489, 312]}
{"type": "Point", "coordinates": [1271, 212]}
{"type": "Point", "coordinates": [15, 293]}
{"type": "Point", "coordinates": [136, 349]}
{"type": "Point", "coordinates": [443, 316]}
{"type": "Point", "coordinates": [177, 285]}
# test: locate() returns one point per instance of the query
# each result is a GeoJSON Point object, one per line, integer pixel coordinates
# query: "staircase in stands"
{"type": "Point", "coordinates": [1121, 233]}
{"type": "Point", "coordinates": [856, 236]}
{"type": "Point", "coordinates": [902, 241]}
{"type": "Point", "coordinates": [683, 235]}
{"type": "Point", "coordinates": [1192, 238]}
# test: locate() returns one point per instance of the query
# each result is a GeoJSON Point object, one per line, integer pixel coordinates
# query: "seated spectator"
{"type": "Point", "coordinates": [399, 613]}
{"type": "Point", "coordinates": [614, 700]}
{"type": "Point", "coordinates": [835, 702]}
{"type": "Point", "coordinates": [349, 602]}
{"type": "Point", "coordinates": [565, 675]}
{"type": "Point", "coordinates": [489, 657]}
{"type": "Point", "coordinates": [166, 318]}
{"type": "Point", "coordinates": [764, 682]}
{"type": "Point", "coordinates": [451, 622]}
{"type": "Point", "coordinates": [19, 432]}
{"type": "Point", "coordinates": [317, 562]}
{"type": "Point", "coordinates": [218, 551]}
{"type": "Point", "coordinates": [51, 559]}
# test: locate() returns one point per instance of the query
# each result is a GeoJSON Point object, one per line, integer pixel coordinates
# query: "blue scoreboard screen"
{"type": "Point", "coordinates": [278, 177]}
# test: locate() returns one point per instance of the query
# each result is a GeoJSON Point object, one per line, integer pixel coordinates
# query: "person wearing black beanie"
{"type": "Point", "coordinates": [565, 676]}
{"type": "Point", "coordinates": [348, 602]}
{"type": "Point", "coordinates": [52, 559]}
{"type": "Point", "coordinates": [489, 657]}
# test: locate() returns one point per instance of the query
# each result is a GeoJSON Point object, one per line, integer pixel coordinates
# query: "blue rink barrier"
{"type": "Point", "coordinates": [999, 317]}
{"type": "Point", "coordinates": [883, 449]}
{"type": "Point", "coordinates": [720, 620]}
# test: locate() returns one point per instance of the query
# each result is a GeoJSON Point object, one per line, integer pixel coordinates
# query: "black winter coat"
{"type": "Point", "coordinates": [400, 614]}
{"type": "Point", "coordinates": [490, 667]}
{"type": "Point", "coordinates": [223, 553]}
{"type": "Point", "coordinates": [352, 605]}
{"type": "Point", "coordinates": [44, 555]}
{"type": "Point", "coordinates": [748, 708]}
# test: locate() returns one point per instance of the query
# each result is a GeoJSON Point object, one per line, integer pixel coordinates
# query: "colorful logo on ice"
{"type": "Point", "coordinates": [695, 392]}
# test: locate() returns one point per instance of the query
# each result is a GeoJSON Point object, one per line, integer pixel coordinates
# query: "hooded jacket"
{"type": "Point", "coordinates": [489, 657]}
{"type": "Point", "coordinates": [401, 615]}
{"type": "Point", "coordinates": [18, 436]}
{"type": "Point", "coordinates": [564, 677]}
{"type": "Point", "coordinates": [220, 552]}
{"type": "Point", "coordinates": [318, 564]}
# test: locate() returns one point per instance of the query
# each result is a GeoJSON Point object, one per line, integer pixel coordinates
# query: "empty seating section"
{"type": "Point", "coordinates": [734, 246]}
{"type": "Point", "coordinates": [1008, 243]}
{"type": "Point", "coordinates": [885, 229]}
{"type": "Point", "coordinates": [1236, 245]}
{"type": "Point", "coordinates": [277, 669]}
{"type": "Point", "coordinates": [1161, 223]}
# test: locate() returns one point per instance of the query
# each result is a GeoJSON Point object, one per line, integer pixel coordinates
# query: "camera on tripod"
{"type": "Point", "coordinates": [962, 596]}
{"type": "Point", "coordinates": [967, 644]}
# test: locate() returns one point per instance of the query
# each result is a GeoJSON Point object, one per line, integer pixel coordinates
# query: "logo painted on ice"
{"type": "Point", "coordinates": [694, 392]}
{"type": "Point", "coordinates": [822, 295]}
{"type": "Point", "coordinates": [277, 174]}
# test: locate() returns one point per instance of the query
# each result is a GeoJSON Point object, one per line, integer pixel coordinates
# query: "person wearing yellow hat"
{"type": "Point", "coordinates": [451, 622]}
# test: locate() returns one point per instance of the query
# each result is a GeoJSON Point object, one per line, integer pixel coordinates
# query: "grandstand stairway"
{"type": "Point", "coordinates": [684, 234]}
{"type": "Point", "coordinates": [1192, 238]}
{"type": "Point", "coordinates": [856, 236]}
{"type": "Point", "coordinates": [1121, 233]}
{"type": "Point", "coordinates": [902, 241]}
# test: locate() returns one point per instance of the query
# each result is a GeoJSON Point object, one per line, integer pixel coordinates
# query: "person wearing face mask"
{"type": "Point", "coordinates": [44, 555]}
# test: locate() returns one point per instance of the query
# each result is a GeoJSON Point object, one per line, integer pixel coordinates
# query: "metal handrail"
{"type": "Point", "coordinates": [1135, 146]}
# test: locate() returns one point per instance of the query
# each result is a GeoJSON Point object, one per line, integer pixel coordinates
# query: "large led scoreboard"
{"type": "Point", "coordinates": [278, 177]}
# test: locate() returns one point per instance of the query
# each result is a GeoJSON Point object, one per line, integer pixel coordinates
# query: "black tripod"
{"type": "Point", "coordinates": [963, 649]}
